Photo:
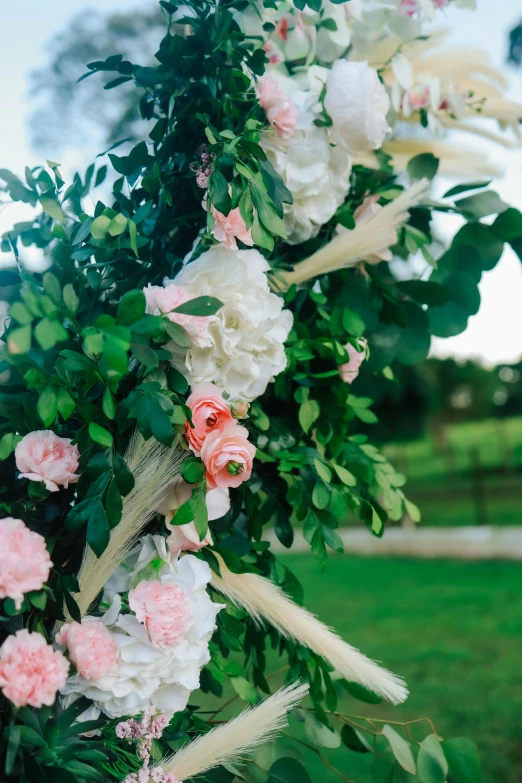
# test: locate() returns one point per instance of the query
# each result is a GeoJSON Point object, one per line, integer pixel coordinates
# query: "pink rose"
{"type": "Point", "coordinates": [24, 560]}
{"type": "Point", "coordinates": [161, 300]}
{"type": "Point", "coordinates": [43, 456]}
{"type": "Point", "coordinates": [31, 672]}
{"type": "Point", "coordinates": [91, 647]}
{"type": "Point", "coordinates": [209, 412]}
{"type": "Point", "coordinates": [163, 608]}
{"type": "Point", "coordinates": [229, 227]}
{"type": "Point", "coordinates": [228, 457]}
{"type": "Point", "coordinates": [350, 370]}
{"type": "Point", "coordinates": [280, 110]}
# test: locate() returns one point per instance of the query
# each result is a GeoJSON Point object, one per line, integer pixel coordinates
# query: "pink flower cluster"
{"type": "Point", "coordinates": [162, 300]}
{"type": "Point", "coordinates": [151, 726]}
{"type": "Point", "coordinates": [202, 168]}
{"type": "Point", "coordinates": [280, 110]}
{"type": "Point", "coordinates": [221, 443]}
{"type": "Point", "coordinates": [43, 456]}
{"type": "Point", "coordinates": [230, 227]}
{"type": "Point", "coordinates": [164, 610]}
{"type": "Point", "coordinates": [91, 648]}
{"type": "Point", "coordinates": [31, 672]}
{"type": "Point", "coordinates": [24, 560]}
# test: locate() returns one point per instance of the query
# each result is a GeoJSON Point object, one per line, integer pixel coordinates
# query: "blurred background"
{"type": "Point", "coordinates": [452, 425]}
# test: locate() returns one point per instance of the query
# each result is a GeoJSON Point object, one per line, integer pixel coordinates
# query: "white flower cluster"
{"type": "Point", "coordinates": [150, 673]}
{"type": "Point", "coordinates": [245, 349]}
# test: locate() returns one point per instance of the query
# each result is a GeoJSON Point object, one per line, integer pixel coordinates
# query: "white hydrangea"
{"type": "Point", "coordinates": [247, 334]}
{"type": "Point", "coordinates": [148, 675]}
{"type": "Point", "coordinates": [316, 172]}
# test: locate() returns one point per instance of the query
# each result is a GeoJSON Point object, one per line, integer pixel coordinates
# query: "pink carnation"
{"type": "Point", "coordinates": [280, 110]}
{"type": "Point", "coordinates": [31, 672]}
{"type": "Point", "coordinates": [161, 300]}
{"type": "Point", "coordinates": [209, 412]}
{"type": "Point", "coordinates": [228, 457]}
{"type": "Point", "coordinates": [350, 370]}
{"type": "Point", "coordinates": [43, 456]}
{"type": "Point", "coordinates": [164, 610]}
{"type": "Point", "coordinates": [24, 560]}
{"type": "Point", "coordinates": [230, 227]}
{"type": "Point", "coordinates": [91, 648]}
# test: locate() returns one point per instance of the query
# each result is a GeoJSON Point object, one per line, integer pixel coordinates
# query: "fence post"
{"type": "Point", "coordinates": [478, 488]}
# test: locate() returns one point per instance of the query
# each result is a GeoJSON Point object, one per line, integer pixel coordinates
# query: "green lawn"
{"type": "Point", "coordinates": [453, 629]}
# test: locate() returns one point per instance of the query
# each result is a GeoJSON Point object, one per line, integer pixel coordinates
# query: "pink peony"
{"type": "Point", "coordinates": [164, 610]}
{"type": "Point", "coordinates": [350, 370]}
{"type": "Point", "coordinates": [228, 457]}
{"type": "Point", "coordinates": [43, 456]}
{"type": "Point", "coordinates": [229, 227]}
{"type": "Point", "coordinates": [280, 110]}
{"type": "Point", "coordinates": [209, 412]}
{"type": "Point", "coordinates": [161, 300]}
{"type": "Point", "coordinates": [24, 560]}
{"type": "Point", "coordinates": [31, 672]}
{"type": "Point", "coordinates": [91, 648]}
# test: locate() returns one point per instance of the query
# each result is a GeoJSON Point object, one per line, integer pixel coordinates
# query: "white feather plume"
{"type": "Point", "coordinates": [265, 601]}
{"type": "Point", "coordinates": [365, 241]}
{"type": "Point", "coordinates": [247, 731]}
{"type": "Point", "coordinates": [154, 466]}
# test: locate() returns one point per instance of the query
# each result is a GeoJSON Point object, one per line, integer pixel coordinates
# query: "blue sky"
{"type": "Point", "coordinates": [495, 334]}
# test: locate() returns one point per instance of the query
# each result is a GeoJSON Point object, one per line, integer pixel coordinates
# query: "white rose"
{"type": "Point", "coordinates": [148, 675]}
{"type": "Point", "coordinates": [358, 103]}
{"type": "Point", "coordinates": [247, 334]}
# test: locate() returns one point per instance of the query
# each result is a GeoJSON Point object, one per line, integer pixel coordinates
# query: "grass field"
{"type": "Point", "coordinates": [452, 629]}
{"type": "Point", "coordinates": [474, 478]}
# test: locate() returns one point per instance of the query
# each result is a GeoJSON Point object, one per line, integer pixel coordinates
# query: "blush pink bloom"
{"type": "Point", "coordinates": [350, 370]}
{"type": "Point", "coordinates": [43, 456]}
{"type": "Point", "coordinates": [161, 300]}
{"type": "Point", "coordinates": [280, 110]}
{"type": "Point", "coordinates": [228, 228]}
{"type": "Point", "coordinates": [228, 457]}
{"type": "Point", "coordinates": [209, 412]}
{"type": "Point", "coordinates": [24, 560]}
{"type": "Point", "coordinates": [91, 648]}
{"type": "Point", "coordinates": [164, 610]}
{"type": "Point", "coordinates": [31, 672]}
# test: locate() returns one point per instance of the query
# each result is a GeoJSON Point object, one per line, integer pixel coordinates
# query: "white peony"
{"type": "Point", "coordinates": [247, 333]}
{"type": "Point", "coordinates": [316, 172]}
{"type": "Point", "coordinates": [148, 675]}
{"type": "Point", "coordinates": [357, 103]}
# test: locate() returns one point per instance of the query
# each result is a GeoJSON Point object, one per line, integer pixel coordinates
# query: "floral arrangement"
{"type": "Point", "coordinates": [180, 379]}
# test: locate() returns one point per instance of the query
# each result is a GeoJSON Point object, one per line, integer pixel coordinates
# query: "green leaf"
{"type": "Point", "coordinates": [100, 435]}
{"type": "Point", "coordinates": [423, 166]}
{"type": "Point", "coordinates": [201, 305]}
{"type": "Point", "coordinates": [319, 734]}
{"type": "Point", "coordinates": [344, 475]}
{"type": "Point", "coordinates": [458, 189]}
{"type": "Point", "coordinates": [320, 495]}
{"type": "Point", "coordinates": [133, 235]}
{"type": "Point", "coordinates": [352, 322]}
{"type": "Point", "coordinates": [52, 287]}
{"type": "Point", "coordinates": [192, 470]}
{"type": "Point", "coordinates": [13, 741]}
{"type": "Point", "coordinates": [361, 693]}
{"type": "Point", "coordinates": [323, 471]}
{"type": "Point", "coordinates": [72, 606]}
{"type": "Point", "coordinates": [19, 340]}
{"type": "Point", "coordinates": [355, 740]}
{"type": "Point", "coordinates": [145, 354]}
{"type": "Point", "coordinates": [288, 770]}
{"type": "Point", "coordinates": [98, 532]}
{"type": "Point", "coordinates": [123, 475]}
{"type": "Point", "coordinates": [8, 444]}
{"type": "Point", "coordinates": [70, 298]}
{"type": "Point", "coordinates": [47, 405]}
{"type": "Point", "coordinates": [463, 760]}
{"type": "Point", "coordinates": [20, 313]}
{"type": "Point", "coordinates": [401, 749]}
{"type": "Point", "coordinates": [113, 504]}
{"type": "Point", "coordinates": [117, 225]}
{"type": "Point", "coordinates": [48, 333]}
{"type": "Point", "coordinates": [131, 308]}
{"type": "Point", "coordinates": [244, 689]}
{"type": "Point", "coordinates": [332, 539]}
{"type": "Point", "coordinates": [108, 404]}
{"type": "Point", "coordinates": [218, 192]}
{"type": "Point", "coordinates": [482, 204]}
{"type": "Point", "coordinates": [100, 227]}
{"type": "Point", "coordinates": [432, 765]}
{"type": "Point", "coordinates": [425, 292]}
{"type": "Point", "coordinates": [65, 403]}
{"type": "Point", "coordinates": [308, 413]}
{"type": "Point", "coordinates": [52, 208]}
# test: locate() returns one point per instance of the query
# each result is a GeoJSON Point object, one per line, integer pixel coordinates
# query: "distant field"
{"type": "Point", "coordinates": [452, 629]}
{"type": "Point", "coordinates": [473, 477]}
